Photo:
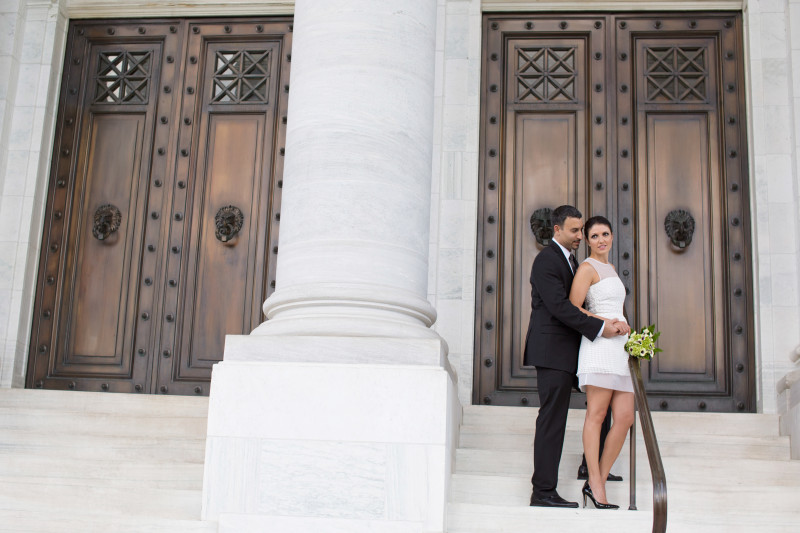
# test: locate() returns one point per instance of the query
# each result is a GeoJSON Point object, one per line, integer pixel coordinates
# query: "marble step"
{"type": "Point", "coordinates": [150, 450]}
{"type": "Point", "coordinates": [89, 472]}
{"type": "Point", "coordinates": [700, 470]}
{"type": "Point", "coordinates": [58, 496]}
{"type": "Point", "coordinates": [189, 482]}
{"type": "Point", "coordinates": [725, 473]}
{"type": "Point", "coordinates": [233, 523]}
{"type": "Point", "coordinates": [516, 490]}
{"type": "Point", "coordinates": [103, 402]}
{"type": "Point", "coordinates": [681, 494]}
{"type": "Point", "coordinates": [91, 462]}
{"type": "Point", "coordinates": [515, 419]}
{"type": "Point", "coordinates": [670, 444]}
{"type": "Point", "coordinates": [42, 438]}
{"type": "Point", "coordinates": [477, 518]}
{"type": "Point", "coordinates": [117, 424]}
{"type": "Point", "coordinates": [44, 521]}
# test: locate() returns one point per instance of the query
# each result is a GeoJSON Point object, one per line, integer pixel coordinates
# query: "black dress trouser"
{"type": "Point", "coordinates": [555, 387]}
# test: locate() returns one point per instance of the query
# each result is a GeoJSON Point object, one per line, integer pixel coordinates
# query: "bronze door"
{"type": "Point", "coordinates": [640, 118]}
{"type": "Point", "coordinates": [163, 208]}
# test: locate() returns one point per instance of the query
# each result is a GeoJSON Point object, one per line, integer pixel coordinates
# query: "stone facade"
{"type": "Point", "coordinates": [32, 35]}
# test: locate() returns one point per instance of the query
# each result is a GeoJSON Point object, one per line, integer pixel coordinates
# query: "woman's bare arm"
{"type": "Point", "coordinates": [585, 277]}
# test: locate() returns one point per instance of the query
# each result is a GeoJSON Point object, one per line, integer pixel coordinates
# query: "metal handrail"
{"type": "Point", "coordinates": [653, 454]}
{"type": "Point", "coordinates": [632, 473]}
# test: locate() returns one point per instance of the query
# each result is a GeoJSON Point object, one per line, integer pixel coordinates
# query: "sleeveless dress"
{"type": "Point", "coordinates": [604, 362]}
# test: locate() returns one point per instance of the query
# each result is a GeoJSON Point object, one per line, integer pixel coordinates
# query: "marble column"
{"type": "Point", "coordinates": [340, 411]}
{"type": "Point", "coordinates": [356, 199]}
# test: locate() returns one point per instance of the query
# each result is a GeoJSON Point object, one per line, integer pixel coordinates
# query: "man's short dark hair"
{"type": "Point", "coordinates": [561, 213]}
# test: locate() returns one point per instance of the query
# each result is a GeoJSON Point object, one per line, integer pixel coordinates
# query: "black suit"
{"type": "Point", "coordinates": [554, 336]}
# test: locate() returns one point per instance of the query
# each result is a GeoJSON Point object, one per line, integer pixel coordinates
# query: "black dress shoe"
{"type": "Point", "coordinates": [583, 474]}
{"type": "Point", "coordinates": [552, 501]}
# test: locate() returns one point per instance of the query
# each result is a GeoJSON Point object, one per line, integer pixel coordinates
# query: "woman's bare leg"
{"type": "Point", "coordinates": [622, 416]}
{"type": "Point", "coordinates": [597, 401]}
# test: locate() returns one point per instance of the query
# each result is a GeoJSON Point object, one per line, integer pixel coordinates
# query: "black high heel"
{"type": "Point", "coordinates": [587, 491]}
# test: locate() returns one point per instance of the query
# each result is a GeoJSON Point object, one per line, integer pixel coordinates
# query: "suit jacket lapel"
{"type": "Point", "coordinates": [563, 260]}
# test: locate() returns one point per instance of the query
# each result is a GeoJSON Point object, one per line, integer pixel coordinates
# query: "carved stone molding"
{"type": "Point", "coordinates": [157, 8]}
{"type": "Point", "coordinates": [617, 5]}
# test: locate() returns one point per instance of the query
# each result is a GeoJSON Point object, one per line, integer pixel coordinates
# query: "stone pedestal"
{"type": "Point", "coordinates": [789, 410]}
{"type": "Point", "coordinates": [299, 444]}
{"type": "Point", "coordinates": [340, 412]}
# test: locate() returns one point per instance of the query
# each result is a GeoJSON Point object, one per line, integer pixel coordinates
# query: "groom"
{"type": "Point", "coordinates": [554, 336]}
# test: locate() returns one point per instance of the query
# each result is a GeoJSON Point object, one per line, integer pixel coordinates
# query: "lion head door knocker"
{"type": "Point", "coordinates": [679, 225]}
{"type": "Point", "coordinates": [542, 225]}
{"type": "Point", "coordinates": [107, 220]}
{"type": "Point", "coordinates": [228, 220]}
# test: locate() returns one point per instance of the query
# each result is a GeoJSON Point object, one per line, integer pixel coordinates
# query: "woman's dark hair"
{"type": "Point", "coordinates": [594, 221]}
{"type": "Point", "coordinates": [561, 213]}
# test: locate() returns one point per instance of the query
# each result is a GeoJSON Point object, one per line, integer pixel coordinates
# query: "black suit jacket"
{"type": "Point", "coordinates": [556, 326]}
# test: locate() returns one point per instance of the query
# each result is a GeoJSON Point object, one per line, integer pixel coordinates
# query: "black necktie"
{"type": "Point", "coordinates": [574, 263]}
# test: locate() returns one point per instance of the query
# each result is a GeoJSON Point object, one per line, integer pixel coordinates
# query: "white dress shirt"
{"type": "Point", "coordinates": [567, 253]}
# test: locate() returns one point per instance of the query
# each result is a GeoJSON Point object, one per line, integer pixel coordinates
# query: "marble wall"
{"type": "Point", "coordinates": [772, 40]}
{"type": "Point", "coordinates": [454, 202]}
{"type": "Point", "coordinates": [32, 35]}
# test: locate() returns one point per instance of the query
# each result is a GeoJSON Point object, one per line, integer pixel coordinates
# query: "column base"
{"type": "Point", "coordinates": [341, 310]}
{"type": "Point", "coordinates": [299, 443]}
{"type": "Point", "coordinates": [789, 410]}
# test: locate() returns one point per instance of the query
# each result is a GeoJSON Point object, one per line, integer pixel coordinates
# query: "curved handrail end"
{"type": "Point", "coordinates": [653, 453]}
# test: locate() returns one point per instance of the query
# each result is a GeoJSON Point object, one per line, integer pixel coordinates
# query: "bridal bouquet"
{"type": "Point", "coordinates": [642, 344]}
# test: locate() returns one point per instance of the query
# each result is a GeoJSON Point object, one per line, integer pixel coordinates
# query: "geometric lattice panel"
{"type": "Point", "coordinates": [241, 77]}
{"type": "Point", "coordinates": [676, 74]}
{"type": "Point", "coordinates": [546, 74]}
{"type": "Point", "coordinates": [123, 77]}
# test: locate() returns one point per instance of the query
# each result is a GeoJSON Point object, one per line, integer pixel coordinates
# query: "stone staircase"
{"type": "Point", "coordinates": [121, 463]}
{"type": "Point", "coordinates": [725, 473]}
{"type": "Point", "coordinates": [97, 462]}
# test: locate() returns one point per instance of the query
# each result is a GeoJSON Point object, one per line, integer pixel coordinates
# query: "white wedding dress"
{"type": "Point", "coordinates": [604, 362]}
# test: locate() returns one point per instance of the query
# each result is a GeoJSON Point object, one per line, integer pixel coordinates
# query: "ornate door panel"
{"type": "Point", "coordinates": [228, 231]}
{"type": "Point", "coordinates": [543, 97]}
{"type": "Point", "coordinates": [689, 207]}
{"type": "Point", "coordinates": [90, 313]}
{"type": "Point", "coordinates": [144, 268]}
{"type": "Point", "coordinates": [635, 118]}
{"type": "Point", "coordinates": [97, 330]}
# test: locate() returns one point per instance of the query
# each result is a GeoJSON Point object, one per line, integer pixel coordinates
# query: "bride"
{"type": "Point", "coordinates": [603, 364]}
